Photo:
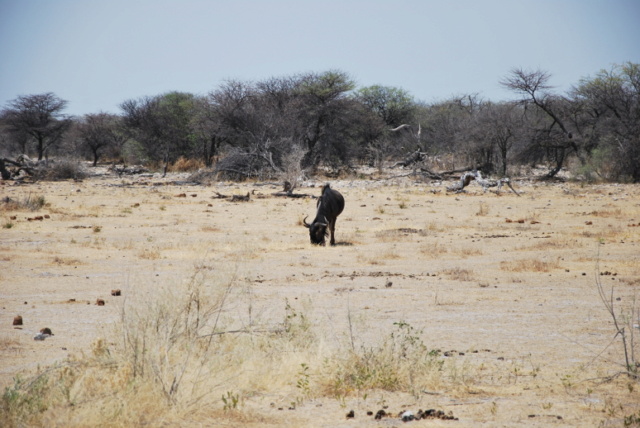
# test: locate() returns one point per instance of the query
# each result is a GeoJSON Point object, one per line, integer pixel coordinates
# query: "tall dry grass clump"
{"type": "Point", "coordinates": [62, 169]}
{"type": "Point", "coordinates": [183, 164]}
{"type": "Point", "coordinates": [176, 351]}
{"type": "Point", "coordinates": [402, 362]}
{"type": "Point", "coordinates": [30, 203]}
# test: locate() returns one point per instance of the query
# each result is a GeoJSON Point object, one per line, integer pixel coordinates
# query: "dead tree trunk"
{"type": "Point", "coordinates": [466, 178]}
{"type": "Point", "coordinates": [3, 171]}
{"type": "Point", "coordinates": [414, 157]}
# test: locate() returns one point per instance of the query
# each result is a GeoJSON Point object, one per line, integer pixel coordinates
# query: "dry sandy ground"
{"type": "Point", "coordinates": [505, 283]}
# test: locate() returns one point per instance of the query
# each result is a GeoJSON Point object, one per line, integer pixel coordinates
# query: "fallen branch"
{"type": "Point", "coordinates": [486, 183]}
{"type": "Point", "coordinates": [233, 198]}
{"type": "Point", "coordinates": [465, 179]}
{"type": "Point", "coordinates": [292, 195]}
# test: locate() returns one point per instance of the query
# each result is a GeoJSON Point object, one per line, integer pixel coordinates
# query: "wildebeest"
{"type": "Point", "coordinates": [330, 205]}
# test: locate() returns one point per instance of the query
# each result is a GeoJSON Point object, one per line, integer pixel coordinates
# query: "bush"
{"type": "Point", "coordinates": [62, 170]}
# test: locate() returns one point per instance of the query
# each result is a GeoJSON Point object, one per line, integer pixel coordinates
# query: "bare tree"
{"type": "Point", "coordinates": [554, 137]}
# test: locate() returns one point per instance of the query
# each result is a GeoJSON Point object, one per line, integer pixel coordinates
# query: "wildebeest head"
{"type": "Point", "coordinates": [330, 205]}
{"type": "Point", "coordinates": [317, 230]}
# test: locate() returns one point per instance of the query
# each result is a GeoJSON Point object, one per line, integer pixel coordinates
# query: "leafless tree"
{"type": "Point", "coordinates": [553, 137]}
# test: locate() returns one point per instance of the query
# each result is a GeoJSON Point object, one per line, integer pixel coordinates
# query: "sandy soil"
{"type": "Point", "coordinates": [503, 282]}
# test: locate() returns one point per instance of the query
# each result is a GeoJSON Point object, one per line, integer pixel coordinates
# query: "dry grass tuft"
{"type": "Point", "coordinates": [434, 250]}
{"type": "Point", "coordinates": [483, 210]}
{"type": "Point", "coordinates": [607, 213]}
{"type": "Point", "coordinates": [459, 274]}
{"type": "Point", "coordinates": [186, 165]}
{"type": "Point", "coordinates": [552, 244]}
{"type": "Point", "coordinates": [65, 261]}
{"type": "Point", "coordinates": [30, 203]}
{"type": "Point", "coordinates": [530, 265]}
{"type": "Point", "coordinates": [402, 362]}
{"type": "Point", "coordinates": [150, 253]}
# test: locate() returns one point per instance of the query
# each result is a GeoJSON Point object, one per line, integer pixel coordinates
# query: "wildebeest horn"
{"type": "Point", "coordinates": [305, 222]}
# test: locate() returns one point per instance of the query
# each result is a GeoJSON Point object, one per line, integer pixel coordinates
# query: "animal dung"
{"type": "Point", "coordinates": [46, 330]}
{"type": "Point", "coordinates": [17, 320]}
{"type": "Point", "coordinates": [100, 302]}
{"type": "Point", "coordinates": [116, 292]}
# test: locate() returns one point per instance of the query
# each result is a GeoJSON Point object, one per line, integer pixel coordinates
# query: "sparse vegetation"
{"type": "Point", "coordinates": [626, 322]}
{"type": "Point", "coordinates": [30, 203]}
{"type": "Point", "coordinates": [531, 265]}
{"type": "Point", "coordinates": [228, 315]}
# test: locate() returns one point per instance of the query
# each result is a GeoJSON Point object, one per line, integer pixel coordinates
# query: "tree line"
{"type": "Point", "coordinates": [258, 129]}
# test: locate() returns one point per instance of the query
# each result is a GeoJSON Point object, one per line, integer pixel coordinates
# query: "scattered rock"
{"type": "Point", "coordinates": [116, 292]}
{"type": "Point", "coordinates": [17, 320]}
{"type": "Point", "coordinates": [46, 330]}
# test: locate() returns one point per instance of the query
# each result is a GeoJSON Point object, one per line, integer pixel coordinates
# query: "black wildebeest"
{"type": "Point", "coordinates": [330, 205]}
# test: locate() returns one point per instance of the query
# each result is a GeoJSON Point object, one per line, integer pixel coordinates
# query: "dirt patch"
{"type": "Point", "coordinates": [515, 300]}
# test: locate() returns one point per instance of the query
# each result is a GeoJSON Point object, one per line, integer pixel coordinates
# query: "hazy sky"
{"type": "Point", "coordinates": [97, 54]}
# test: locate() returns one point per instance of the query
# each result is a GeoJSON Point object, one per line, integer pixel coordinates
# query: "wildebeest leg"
{"type": "Point", "coordinates": [332, 228]}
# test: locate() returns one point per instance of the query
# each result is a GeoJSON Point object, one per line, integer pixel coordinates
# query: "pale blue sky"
{"type": "Point", "coordinates": [97, 54]}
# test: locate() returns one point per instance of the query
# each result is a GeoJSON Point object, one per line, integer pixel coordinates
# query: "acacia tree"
{"type": "Point", "coordinates": [39, 117]}
{"type": "Point", "coordinates": [325, 113]}
{"type": "Point", "coordinates": [392, 107]}
{"type": "Point", "coordinates": [261, 123]}
{"type": "Point", "coordinates": [610, 104]}
{"type": "Point", "coordinates": [101, 133]}
{"type": "Point", "coordinates": [163, 125]}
